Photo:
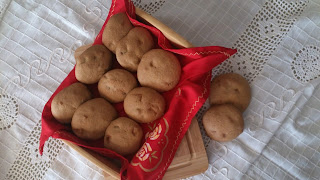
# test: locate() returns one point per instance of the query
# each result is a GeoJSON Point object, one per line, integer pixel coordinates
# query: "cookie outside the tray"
{"type": "Point", "coordinates": [230, 88]}
{"type": "Point", "coordinates": [223, 122]}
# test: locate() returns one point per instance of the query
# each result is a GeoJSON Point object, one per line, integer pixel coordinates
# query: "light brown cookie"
{"type": "Point", "coordinates": [92, 118]}
{"type": "Point", "coordinates": [92, 64]}
{"type": "Point", "coordinates": [159, 69]}
{"type": "Point", "coordinates": [65, 103]}
{"type": "Point", "coordinates": [123, 136]}
{"type": "Point", "coordinates": [117, 27]}
{"type": "Point", "coordinates": [230, 88]}
{"type": "Point", "coordinates": [144, 104]}
{"type": "Point", "coordinates": [116, 84]}
{"type": "Point", "coordinates": [132, 47]}
{"type": "Point", "coordinates": [223, 122]}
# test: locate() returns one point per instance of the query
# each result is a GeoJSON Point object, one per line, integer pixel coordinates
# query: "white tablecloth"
{"type": "Point", "coordinates": [278, 44]}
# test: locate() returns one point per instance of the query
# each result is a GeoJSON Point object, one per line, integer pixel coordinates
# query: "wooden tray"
{"type": "Point", "coordinates": [190, 158]}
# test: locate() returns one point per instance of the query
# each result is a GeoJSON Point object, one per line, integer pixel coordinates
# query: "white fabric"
{"type": "Point", "coordinates": [278, 47]}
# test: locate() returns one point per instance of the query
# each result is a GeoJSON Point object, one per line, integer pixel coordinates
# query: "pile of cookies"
{"type": "Point", "coordinates": [230, 96]}
{"type": "Point", "coordinates": [94, 118]}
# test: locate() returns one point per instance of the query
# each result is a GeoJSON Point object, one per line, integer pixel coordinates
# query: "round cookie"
{"type": "Point", "coordinates": [92, 64]}
{"type": "Point", "coordinates": [144, 104]}
{"type": "Point", "coordinates": [230, 88]}
{"type": "Point", "coordinates": [92, 118]}
{"type": "Point", "coordinates": [132, 47]}
{"type": "Point", "coordinates": [116, 84]}
{"type": "Point", "coordinates": [159, 69]}
{"type": "Point", "coordinates": [123, 136]}
{"type": "Point", "coordinates": [117, 27]}
{"type": "Point", "coordinates": [223, 122]}
{"type": "Point", "coordinates": [65, 103]}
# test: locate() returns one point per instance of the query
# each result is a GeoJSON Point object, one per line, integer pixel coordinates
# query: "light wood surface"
{"type": "Point", "coordinates": [107, 165]}
{"type": "Point", "coordinates": [190, 158]}
{"type": "Point", "coordinates": [177, 40]}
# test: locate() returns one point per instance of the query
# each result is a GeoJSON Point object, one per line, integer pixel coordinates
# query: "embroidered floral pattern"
{"type": "Point", "coordinates": [149, 151]}
{"type": "Point", "coordinates": [155, 133]}
{"type": "Point", "coordinates": [144, 152]}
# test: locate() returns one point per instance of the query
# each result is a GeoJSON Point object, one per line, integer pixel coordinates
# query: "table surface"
{"type": "Point", "coordinates": [278, 47]}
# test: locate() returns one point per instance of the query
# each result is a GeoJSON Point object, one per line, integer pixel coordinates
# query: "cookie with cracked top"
{"type": "Point", "coordinates": [223, 122]}
{"type": "Point", "coordinates": [92, 118]}
{"type": "Point", "coordinates": [230, 88]}
{"type": "Point", "coordinates": [117, 27]}
{"type": "Point", "coordinates": [92, 64]}
{"type": "Point", "coordinates": [65, 103]}
{"type": "Point", "coordinates": [132, 47]}
{"type": "Point", "coordinates": [123, 136]}
{"type": "Point", "coordinates": [144, 104]}
{"type": "Point", "coordinates": [159, 69]}
{"type": "Point", "coordinates": [116, 84]}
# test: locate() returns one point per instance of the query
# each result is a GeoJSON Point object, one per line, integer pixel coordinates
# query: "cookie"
{"type": "Point", "coordinates": [92, 64]}
{"type": "Point", "coordinates": [92, 118]}
{"type": "Point", "coordinates": [159, 69]}
{"type": "Point", "coordinates": [117, 27]}
{"type": "Point", "coordinates": [230, 88]}
{"type": "Point", "coordinates": [65, 103]}
{"type": "Point", "coordinates": [223, 122]}
{"type": "Point", "coordinates": [144, 105]}
{"type": "Point", "coordinates": [132, 47]}
{"type": "Point", "coordinates": [116, 84]}
{"type": "Point", "coordinates": [123, 136]}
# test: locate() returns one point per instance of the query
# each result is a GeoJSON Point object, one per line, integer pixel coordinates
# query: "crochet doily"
{"type": "Point", "coordinates": [8, 111]}
{"type": "Point", "coordinates": [306, 64]}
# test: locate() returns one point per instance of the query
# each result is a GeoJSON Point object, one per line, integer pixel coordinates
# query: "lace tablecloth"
{"type": "Point", "coordinates": [278, 47]}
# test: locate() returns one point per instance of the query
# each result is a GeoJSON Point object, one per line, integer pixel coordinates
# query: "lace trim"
{"type": "Point", "coordinates": [29, 164]}
{"type": "Point", "coordinates": [306, 64]}
{"type": "Point", "coordinates": [150, 7]}
{"type": "Point", "coordinates": [261, 38]}
{"type": "Point", "coordinates": [255, 46]}
{"type": "Point", "coordinates": [8, 111]}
